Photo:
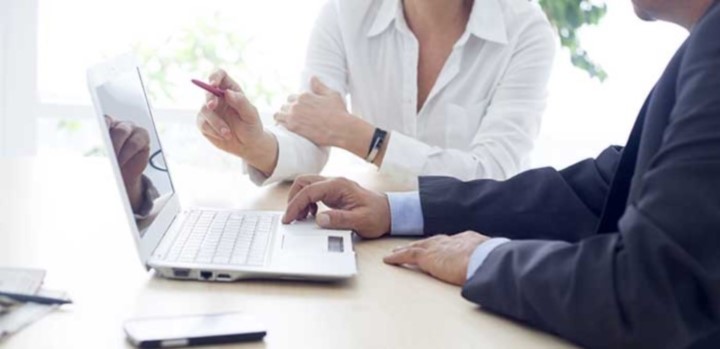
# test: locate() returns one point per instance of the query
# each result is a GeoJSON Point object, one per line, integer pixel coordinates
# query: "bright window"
{"type": "Point", "coordinates": [584, 116]}
{"type": "Point", "coordinates": [262, 43]}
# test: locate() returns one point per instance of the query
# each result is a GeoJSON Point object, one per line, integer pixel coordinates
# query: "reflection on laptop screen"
{"type": "Point", "coordinates": [136, 147]}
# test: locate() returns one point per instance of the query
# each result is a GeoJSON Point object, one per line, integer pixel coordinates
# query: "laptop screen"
{"type": "Point", "coordinates": [136, 146]}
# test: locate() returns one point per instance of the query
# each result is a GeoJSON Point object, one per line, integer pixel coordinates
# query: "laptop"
{"type": "Point", "coordinates": [196, 243]}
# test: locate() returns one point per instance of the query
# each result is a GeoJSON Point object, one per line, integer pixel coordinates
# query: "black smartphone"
{"type": "Point", "coordinates": [191, 330]}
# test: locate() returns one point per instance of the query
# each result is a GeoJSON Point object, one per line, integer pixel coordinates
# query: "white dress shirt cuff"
{"type": "Point", "coordinates": [405, 214]}
{"type": "Point", "coordinates": [405, 155]}
{"type": "Point", "coordinates": [481, 253]}
{"type": "Point", "coordinates": [293, 159]}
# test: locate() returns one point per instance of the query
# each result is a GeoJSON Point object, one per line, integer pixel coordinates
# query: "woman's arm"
{"type": "Point", "coordinates": [499, 147]}
{"type": "Point", "coordinates": [326, 59]}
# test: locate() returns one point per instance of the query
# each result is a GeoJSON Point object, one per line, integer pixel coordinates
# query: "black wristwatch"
{"type": "Point", "coordinates": [376, 144]}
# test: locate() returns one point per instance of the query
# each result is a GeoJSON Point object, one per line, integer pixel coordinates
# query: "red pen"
{"type": "Point", "coordinates": [212, 89]}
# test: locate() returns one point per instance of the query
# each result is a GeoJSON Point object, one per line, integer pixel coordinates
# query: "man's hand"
{"type": "Point", "coordinates": [322, 117]}
{"type": "Point", "coordinates": [364, 211]}
{"type": "Point", "coordinates": [232, 124]}
{"type": "Point", "coordinates": [443, 257]}
{"type": "Point", "coordinates": [132, 149]}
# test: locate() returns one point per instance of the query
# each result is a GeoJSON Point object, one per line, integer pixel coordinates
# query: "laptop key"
{"type": "Point", "coordinates": [222, 238]}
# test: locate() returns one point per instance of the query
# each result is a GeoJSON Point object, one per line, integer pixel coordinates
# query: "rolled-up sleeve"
{"type": "Point", "coordinates": [326, 60]}
{"type": "Point", "coordinates": [296, 156]}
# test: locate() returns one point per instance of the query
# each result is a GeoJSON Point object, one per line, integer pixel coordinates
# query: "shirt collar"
{"type": "Point", "coordinates": [388, 11]}
{"type": "Point", "coordinates": [486, 20]}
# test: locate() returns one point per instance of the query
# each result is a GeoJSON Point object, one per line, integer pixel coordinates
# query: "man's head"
{"type": "Point", "coordinates": [683, 12]}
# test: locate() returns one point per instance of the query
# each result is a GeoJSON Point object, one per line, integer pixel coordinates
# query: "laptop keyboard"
{"type": "Point", "coordinates": [220, 237]}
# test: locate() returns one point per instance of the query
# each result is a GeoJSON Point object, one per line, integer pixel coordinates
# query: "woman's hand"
{"type": "Point", "coordinates": [322, 117]}
{"type": "Point", "coordinates": [232, 124]}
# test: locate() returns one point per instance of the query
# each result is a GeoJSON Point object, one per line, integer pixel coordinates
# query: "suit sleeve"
{"type": "Point", "coordinates": [655, 283]}
{"type": "Point", "coordinates": [542, 203]}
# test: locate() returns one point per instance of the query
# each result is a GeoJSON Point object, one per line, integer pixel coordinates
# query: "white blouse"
{"type": "Point", "coordinates": [482, 115]}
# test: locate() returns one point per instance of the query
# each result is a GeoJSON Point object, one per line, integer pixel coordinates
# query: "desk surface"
{"type": "Point", "coordinates": [64, 215]}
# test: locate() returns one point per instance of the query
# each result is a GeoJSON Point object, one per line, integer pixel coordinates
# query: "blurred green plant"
{"type": "Point", "coordinates": [568, 16]}
{"type": "Point", "coordinates": [69, 125]}
{"type": "Point", "coordinates": [210, 42]}
{"type": "Point", "coordinates": [198, 49]}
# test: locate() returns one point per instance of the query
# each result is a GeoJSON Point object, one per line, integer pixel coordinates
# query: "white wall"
{"type": "Point", "coordinates": [3, 50]}
{"type": "Point", "coordinates": [18, 77]}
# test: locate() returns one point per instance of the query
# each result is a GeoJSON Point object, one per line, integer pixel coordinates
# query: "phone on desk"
{"type": "Point", "coordinates": [192, 330]}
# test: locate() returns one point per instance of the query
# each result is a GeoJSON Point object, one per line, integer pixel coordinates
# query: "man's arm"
{"type": "Point", "coordinates": [448, 206]}
{"type": "Point", "coordinates": [656, 282]}
{"type": "Point", "coordinates": [541, 203]}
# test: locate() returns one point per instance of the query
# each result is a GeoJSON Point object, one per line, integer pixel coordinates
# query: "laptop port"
{"type": "Point", "coordinates": [223, 277]}
{"type": "Point", "coordinates": [206, 275]}
{"type": "Point", "coordinates": [181, 273]}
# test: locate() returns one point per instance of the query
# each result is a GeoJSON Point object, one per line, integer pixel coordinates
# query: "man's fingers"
{"type": "Point", "coordinates": [309, 210]}
{"type": "Point", "coordinates": [302, 182]}
{"type": "Point", "coordinates": [408, 255]}
{"type": "Point", "coordinates": [138, 142]}
{"type": "Point", "coordinates": [338, 219]}
{"type": "Point", "coordinates": [137, 163]}
{"type": "Point", "coordinates": [309, 195]}
{"type": "Point", "coordinates": [292, 98]}
{"type": "Point", "coordinates": [119, 133]}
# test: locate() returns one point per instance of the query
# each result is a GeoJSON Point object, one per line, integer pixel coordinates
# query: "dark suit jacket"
{"type": "Point", "coordinates": [619, 251]}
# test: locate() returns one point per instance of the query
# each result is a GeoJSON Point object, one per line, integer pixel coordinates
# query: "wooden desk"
{"type": "Point", "coordinates": [64, 215]}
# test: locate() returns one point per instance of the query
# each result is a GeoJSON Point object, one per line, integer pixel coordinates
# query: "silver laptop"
{"type": "Point", "coordinates": [200, 244]}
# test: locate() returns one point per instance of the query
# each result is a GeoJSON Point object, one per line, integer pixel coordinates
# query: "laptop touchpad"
{"type": "Point", "coordinates": [314, 243]}
{"type": "Point", "coordinates": [308, 243]}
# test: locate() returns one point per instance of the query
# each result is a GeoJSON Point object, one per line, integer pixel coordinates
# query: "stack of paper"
{"type": "Point", "coordinates": [23, 281]}
{"type": "Point", "coordinates": [15, 315]}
